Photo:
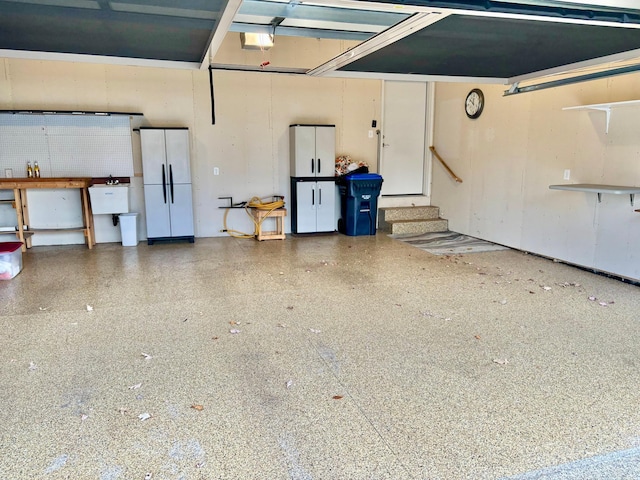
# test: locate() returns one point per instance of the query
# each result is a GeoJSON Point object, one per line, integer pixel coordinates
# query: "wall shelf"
{"type": "Point", "coordinates": [606, 108]}
{"type": "Point", "coordinates": [598, 189]}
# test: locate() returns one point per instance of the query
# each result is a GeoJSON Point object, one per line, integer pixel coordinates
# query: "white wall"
{"type": "Point", "coordinates": [522, 144]}
{"type": "Point", "coordinates": [248, 143]}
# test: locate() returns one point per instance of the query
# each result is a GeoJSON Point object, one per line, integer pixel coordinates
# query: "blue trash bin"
{"type": "Point", "coordinates": [359, 203]}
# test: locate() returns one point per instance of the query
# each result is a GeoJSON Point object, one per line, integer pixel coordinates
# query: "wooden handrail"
{"type": "Point", "coordinates": [444, 164]}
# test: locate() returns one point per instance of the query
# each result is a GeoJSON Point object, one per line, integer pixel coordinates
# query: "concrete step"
{"type": "Point", "coordinates": [408, 213]}
{"type": "Point", "coordinates": [416, 226]}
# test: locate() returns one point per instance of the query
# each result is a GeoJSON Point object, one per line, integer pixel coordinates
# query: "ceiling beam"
{"type": "Point", "coordinates": [301, 11]}
{"type": "Point", "coordinates": [300, 32]}
{"type": "Point", "coordinates": [405, 28]}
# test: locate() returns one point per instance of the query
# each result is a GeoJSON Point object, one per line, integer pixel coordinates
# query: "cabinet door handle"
{"type": "Point", "coordinates": [171, 181]}
{"type": "Point", "coordinates": [313, 196]}
{"type": "Point", "coordinates": [312, 165]}
{"type": "Point", "coordinates": [319, 165]}
{"type": "Point", "coordinates": [164, 184]}
{"type": "Point", "coordinates": [319, 196]}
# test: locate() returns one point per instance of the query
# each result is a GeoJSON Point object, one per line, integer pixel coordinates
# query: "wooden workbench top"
{"type": "Point", "coordinates": [66, 182]}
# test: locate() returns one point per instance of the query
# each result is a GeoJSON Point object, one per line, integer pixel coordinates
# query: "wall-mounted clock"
{"type": "Point", "coordinates": [474, 103]}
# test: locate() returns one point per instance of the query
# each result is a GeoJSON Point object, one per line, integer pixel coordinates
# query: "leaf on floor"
{"type": "Point", "coordinates": [289, 383]}
{"type": "Point", "coordinates": [146, 356]}
{"type": "Point", "coordinates": [477, 337]}
{"type": "Point", "coordinates": [501, 361]}
{"type": "Point", "coordinates": [313, 330]}
{"type": "Point", "coordinates": [135, 387]}
{"type": "Point", "coordinates": [144, 416]}
{"type": "Point", "coordinates": [215, 338]}
{"type": "Point", "coordinates": [234, 331]}
{"type": "Point", "coordinates": [337, 397]}
{"type": "Point", "coordinates": [232, 322]}
{"type": "Point", "coordinates": [197, 407]}
{"type": "Point", "coordinates": [290, 307]}
{"type": "Point", "coordinates": [89, 308]}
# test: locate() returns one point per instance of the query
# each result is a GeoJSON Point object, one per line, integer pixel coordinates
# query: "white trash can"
{"type": "Point", "coordinates": [129, 229]}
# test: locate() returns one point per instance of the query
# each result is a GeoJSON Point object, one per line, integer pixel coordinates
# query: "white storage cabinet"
{"type": "Point", "coordinates": [167, 184]}
{"type": "Point", "coordinates": [312, 151]}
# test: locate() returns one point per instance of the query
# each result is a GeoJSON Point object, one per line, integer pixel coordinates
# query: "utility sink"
{"type": "Point", "coordinates": [109, 199]}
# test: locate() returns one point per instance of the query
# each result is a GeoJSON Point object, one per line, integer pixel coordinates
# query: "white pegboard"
{"type": "Point", "coordinates": [66, 145]}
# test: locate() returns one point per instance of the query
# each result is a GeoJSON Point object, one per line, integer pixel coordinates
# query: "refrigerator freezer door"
{"type": "Point", "coordinates": [154, 155]}
{"type": "Point", "coordinates": [181, 210]}
{"type": "Point", "coordinates": [158, 222]}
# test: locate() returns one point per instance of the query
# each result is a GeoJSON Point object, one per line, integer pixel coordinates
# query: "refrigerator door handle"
{"type": "Point", "coordinates": [313, 196]}
{"type": "Point", "coordinates": [319, 166]}
{"type": "Point", "coordinates": [164, 184]}
{"type": "Point", "coordinates": [171, 181]}
{"type": "Point", "coordinates": [319, 196]}
{"type": "Point", "coordinates": [312, 165]}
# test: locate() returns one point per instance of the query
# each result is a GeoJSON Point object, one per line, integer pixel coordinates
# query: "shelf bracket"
{"type": "Point", "coordinates": [607, 111]}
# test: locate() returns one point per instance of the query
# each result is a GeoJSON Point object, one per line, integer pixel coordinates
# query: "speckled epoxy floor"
{"type": "Point", "coordinates": [356, 357]}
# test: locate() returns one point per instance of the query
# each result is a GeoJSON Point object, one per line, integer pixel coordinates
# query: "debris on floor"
{"type": "Point", "coordinates": [197, 407]}
{"type": "Point", "coordinates": [146, 356]}
{"type": "Point", "coordinates": [32, 366]}
{"type": "Point", "coordinates": [135, 387]}
{"type": "Point", "coordinates": [89, 308]}
{"type": "Point", "coordinates": [313, 330]}
{"type": "Point", "coordinates": [289, 383]}
{"type": "Point", "coordinates": [337, 397]}
{"type": "Point", "coordinates": [501, 361]}
{"type": "Point", "coordinates": [234, 331]}
{"type": "Point", "coordinates": [144, 416]}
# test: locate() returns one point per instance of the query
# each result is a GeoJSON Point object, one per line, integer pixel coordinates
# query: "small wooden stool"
{"type": "Point", "coordinates": [278, 215]}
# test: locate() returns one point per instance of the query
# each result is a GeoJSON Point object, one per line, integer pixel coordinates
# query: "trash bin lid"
{"type": "Point", "coordinates": [363, 176]}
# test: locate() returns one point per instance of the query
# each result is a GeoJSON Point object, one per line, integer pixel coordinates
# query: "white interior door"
{"type": "Point", "coordinates": [402, 149]}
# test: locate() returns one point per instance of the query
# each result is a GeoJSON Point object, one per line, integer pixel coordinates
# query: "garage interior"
{"type": "Point", "coordinates": [328, 356]}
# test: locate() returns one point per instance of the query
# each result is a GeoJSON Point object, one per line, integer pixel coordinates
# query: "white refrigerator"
{"type": "Point", "coordinates": [166, 174]}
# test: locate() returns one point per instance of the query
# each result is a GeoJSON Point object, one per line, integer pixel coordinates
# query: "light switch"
{"type": "Point", "coordinates": [370, 133]}
{"type": "Point", "coordinates": [216, 171]}
{"type": "Point", "coordinates": [567, 174]}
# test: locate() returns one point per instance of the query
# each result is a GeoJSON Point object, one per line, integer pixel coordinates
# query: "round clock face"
{"type": "Point", "coordinates": [474, 103]}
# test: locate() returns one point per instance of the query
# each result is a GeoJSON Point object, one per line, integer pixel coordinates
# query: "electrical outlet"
{"type": "Point", "coordinates": [370, 133]}
{"type": "Point", "coordinates": [567, 174]}
{"type": "Point", "coordinates": [216, 171]}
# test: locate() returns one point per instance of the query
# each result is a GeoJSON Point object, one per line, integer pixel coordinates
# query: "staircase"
{"type": "Point", "coordinates": [411, 220]}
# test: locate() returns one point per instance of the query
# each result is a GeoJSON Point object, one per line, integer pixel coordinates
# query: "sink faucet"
{"type": "Point", "coordinates": [112, 181]}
